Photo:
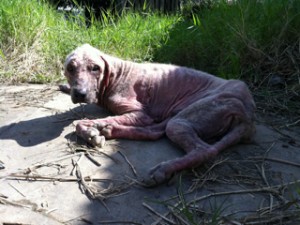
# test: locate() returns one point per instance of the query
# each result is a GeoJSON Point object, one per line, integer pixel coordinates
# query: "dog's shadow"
{"type": "Point", "coordinates": [32, 132]}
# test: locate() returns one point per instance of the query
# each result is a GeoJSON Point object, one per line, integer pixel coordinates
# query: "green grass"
{"type": "Point", "coordinates": [27, 31]}
{"type": "Point", "coordinates": [134, 36]}
{"type": "Point", "coordinates": [35, 38]}
{"type": "Point", "coordinates": [244, 38]}
{"type": "Point", "coordinates": [254, 40]}
{"type": "Point", "coordinates": [248, 39]}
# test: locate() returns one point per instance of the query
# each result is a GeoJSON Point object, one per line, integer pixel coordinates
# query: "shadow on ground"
{"type": "Point", "coordinates": [35, 131]}
{"type": "Point", "coordinates": [49, 176]}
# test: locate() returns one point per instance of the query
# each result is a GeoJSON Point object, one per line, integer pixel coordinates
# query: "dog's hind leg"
{"type": "Point", "coordinates": [203, 137]}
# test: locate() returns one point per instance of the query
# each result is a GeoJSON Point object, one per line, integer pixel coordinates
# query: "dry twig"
{"type": "Point", "coordinates": [130, 164]}
{"type": "Point", "coordinates": [158, 214]}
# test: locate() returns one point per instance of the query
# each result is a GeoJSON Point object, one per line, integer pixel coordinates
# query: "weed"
{"type": "Point", "coordinates": [253, 40]}
{"type": "Point", "coordinates": [35, 38]}
{"type": "Point", "coordinates": [250, 40]}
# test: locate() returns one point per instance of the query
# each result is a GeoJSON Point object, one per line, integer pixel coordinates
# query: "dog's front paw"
{"type": "Point", "coordinates": [90, 134]}
{"type": "Point", "coordinates": [107, 131]}
{"type": "Point", "coordinates": [94, 137]}
{"type": "Point", "coordinates": [104, 128]}
{"type": "Point", "coordinates": [98, 140]}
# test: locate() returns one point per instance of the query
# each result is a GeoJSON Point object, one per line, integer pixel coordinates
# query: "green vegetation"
{"type": "Point", "coordinates": [35, 38]}
{"type": "Point", "coordinates": [238, 39]}
{"type": "Point", "coordinates": [257, 41]}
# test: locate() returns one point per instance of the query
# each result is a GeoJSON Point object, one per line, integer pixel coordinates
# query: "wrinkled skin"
{"type": "Point", "coordinates": [201, 113]}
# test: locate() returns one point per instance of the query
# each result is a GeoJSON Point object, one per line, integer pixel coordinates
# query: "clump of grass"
{"type": "Point", "coordinates": [132, 35]}
{"type": "Point", "coordinates": [254, 40]}
{"type": "Point", "coordinates": [35, 38]}
{"type": "Point", "coordinates": [235, 38]}
{"type": "Point", "coordinates": [257, 41]}
{"type": "Point", "coordinates": [23, 26]}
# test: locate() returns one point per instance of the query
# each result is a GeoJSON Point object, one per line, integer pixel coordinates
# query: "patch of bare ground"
{"type": "Point", "coordinates": [47, 172]}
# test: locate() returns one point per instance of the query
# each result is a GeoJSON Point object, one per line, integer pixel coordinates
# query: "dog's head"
{"type": "Point", "coordinates": [85, 69]}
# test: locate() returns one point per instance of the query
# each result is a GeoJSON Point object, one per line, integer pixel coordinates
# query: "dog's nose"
{"type": "Point", "coordinates": [78, 95]}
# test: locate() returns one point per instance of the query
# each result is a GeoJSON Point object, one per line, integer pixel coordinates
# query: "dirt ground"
{"type": "Point", "coordinates": [49, 176]}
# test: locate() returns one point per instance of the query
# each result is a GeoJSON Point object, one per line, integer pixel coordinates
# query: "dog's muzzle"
{"type": "Point", "coordinates": [78, 95]}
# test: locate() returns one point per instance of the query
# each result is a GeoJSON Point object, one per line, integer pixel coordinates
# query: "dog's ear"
{"type": "Point", "coordinates": [104, 80]}
{"type": "Point", "coordinates": [107, 69]}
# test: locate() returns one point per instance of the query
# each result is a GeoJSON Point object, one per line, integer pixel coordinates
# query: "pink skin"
{"type": "Point", "coordinates": [201, 113]}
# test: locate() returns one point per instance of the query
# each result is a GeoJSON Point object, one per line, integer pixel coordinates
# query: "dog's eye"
{"type": "Point", "coordinates": [70, 68]}
{"type": "Point", "coordinates": [95, 68]}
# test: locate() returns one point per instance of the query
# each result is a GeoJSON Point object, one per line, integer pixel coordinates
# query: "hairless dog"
{"type": "Point", "coordinates": [201, 113]}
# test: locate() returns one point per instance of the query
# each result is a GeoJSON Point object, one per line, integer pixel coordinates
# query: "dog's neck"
{"type": "Point", "coordinates": [118, 71]}
{"type": "Point", "coordinates": [121, 68]}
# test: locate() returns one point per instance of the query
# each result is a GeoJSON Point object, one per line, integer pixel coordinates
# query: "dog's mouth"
{"type": "Point", "coordinates": [76, 100]}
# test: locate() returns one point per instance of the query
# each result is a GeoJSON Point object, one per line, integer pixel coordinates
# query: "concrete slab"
{"type": "Point", "coordinates": [38, 150]}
